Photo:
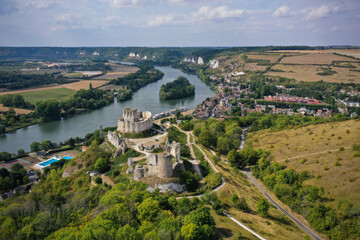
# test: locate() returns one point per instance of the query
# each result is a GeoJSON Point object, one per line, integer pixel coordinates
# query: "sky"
{"type": "Point", "coordinates": [179, 23]}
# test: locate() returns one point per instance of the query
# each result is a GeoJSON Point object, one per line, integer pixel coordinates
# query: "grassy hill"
{"type": "Point", "coordinates": [325, 150]}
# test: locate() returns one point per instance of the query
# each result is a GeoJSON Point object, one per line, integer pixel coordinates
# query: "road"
{"type": "Point", "coordinates": [306, 229]}
{"type": "Point", "coordinates": [252, 179]}
{"type": "Point", "coordinates": [223, 182]}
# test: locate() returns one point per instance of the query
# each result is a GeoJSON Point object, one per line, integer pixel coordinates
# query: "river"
{"type": "Point", "coordinates": [146, 98]}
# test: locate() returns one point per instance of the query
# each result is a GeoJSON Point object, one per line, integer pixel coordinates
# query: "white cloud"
{"type": "Point", "coordinates": [160, 20]}
{"type": "Point", "coordinates": [321, 12]}
{"type": "Point", "coordinates": [290, 27]}
{"type": "Point", "coordinates": [128, 3]}
{"type": "Point", "coordinates": [217, 13]}
{"type": "Point", "coordinates": [65, 18]}
{"type": "Point", "coordinates": [283, 11]}
{"type": "Point", "coordinates": [334, 28]}
{"type": "Point", "coordinates": [40, 4]}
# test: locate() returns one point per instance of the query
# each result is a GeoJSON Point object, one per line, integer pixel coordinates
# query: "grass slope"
{"type": "Point", "coordinates": [324, 150]}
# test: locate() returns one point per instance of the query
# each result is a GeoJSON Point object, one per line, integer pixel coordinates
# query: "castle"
{"type": "Point", "coordinates": [134, 121]}
{"type": "Point", "coordinates": [161, 165]}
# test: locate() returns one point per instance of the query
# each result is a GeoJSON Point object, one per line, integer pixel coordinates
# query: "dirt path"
{"type": "Point", "coordinates": [223, 182]}
{"type": "Point", "coordinates": [311, 154]}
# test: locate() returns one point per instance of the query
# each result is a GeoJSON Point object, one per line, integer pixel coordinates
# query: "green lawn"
{"type": "Point", "coordinates": [57, 94]}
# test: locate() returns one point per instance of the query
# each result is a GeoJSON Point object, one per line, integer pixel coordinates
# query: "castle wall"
{"type": "Point", "coordinates": [114, 139]}
{"type": "Point", "coordinates": [134, 122]}
{"type": "Point", "coordinates": [160, 165]}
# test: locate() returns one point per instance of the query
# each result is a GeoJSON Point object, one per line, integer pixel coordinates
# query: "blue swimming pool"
{"type": "Point", "coordinates": [48, 162]}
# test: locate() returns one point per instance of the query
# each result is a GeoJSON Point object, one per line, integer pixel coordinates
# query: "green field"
{"type": "Point", "coordinates": [325, 150]}
{"type": "Point", "coordinates": [56, 94]}
{"type": "Point", "coordinates": [74, 75]}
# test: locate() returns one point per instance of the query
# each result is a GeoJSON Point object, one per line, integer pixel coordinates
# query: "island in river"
{"type": "Point", "coordinates": [179, 88]}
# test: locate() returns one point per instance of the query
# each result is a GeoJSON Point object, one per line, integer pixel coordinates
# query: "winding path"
{"type": "Point", "coordinates": [253, 180]}
{"type": "Point", "coordinates": [223, 182]}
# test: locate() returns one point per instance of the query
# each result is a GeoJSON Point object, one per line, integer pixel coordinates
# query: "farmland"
{"type": "Point", "coordinates": [311, 73]}
{"type": "Point", "coordinates": [271, 57]}
{"type": "Point", "coordinates": [314, 58]}
{"type": "Point", "coordinates": [48, 94]}
{"type": "Point", "coordinates": [84, 84]}
{"type": "Point", "coordinates": [117, 71]}
{"type": "Point", "coordinates": [17, 110]}
{"type": "Point", "coordinates": [324, 150]}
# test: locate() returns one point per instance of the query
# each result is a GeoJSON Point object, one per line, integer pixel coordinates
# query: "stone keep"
{"type": "Point", "coordinates": [139, 172]}
{"type": "Point", "coordinates": [134, 121]}
{"type": "Point", "coordinates": [160, 165]}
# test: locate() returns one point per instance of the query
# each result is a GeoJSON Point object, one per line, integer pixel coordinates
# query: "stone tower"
{"type": "Point", "coordinates": [134, 121]}
{"type": "Point", "coordinates": [160, 165]}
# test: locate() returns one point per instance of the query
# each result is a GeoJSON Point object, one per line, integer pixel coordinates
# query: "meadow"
{"type": "Point", "coordinates": [325, 150]}
{"type": "Point", "coordinates": [48, 94]}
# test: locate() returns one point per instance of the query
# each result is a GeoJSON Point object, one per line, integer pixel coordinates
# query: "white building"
{"type": "Point", "coordinates": [200, 61]}
{"type": "Point", "coordinates": [236, 74]}
{"type": "Point", "coordinates": [96, 53]}
{"type": "Point", "coordinates": [132, 55]}
{"type": "Point", "coordinates": [214, 63]}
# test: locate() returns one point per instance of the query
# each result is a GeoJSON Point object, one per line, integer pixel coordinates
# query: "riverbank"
{"type": "Point", "coordinates": [145, 98]}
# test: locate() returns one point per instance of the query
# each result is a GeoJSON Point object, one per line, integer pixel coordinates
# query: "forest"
{"type": "Point", "coordinates": [179, 88]}
{"type": "Point", "coordinates": [67, 208]}
{"type": "Point", "coordinates": [16, 80]}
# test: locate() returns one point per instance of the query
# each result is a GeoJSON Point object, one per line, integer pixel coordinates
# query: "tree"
{"type": "Point", "coordinates": [101, 165]}
{"type": "Point", "coordinates": [16, 167]}
{"type": "Point", "coordinates": [177, 114]}
{"type": "Point", "coordinates": [21, 152]}
{"type": "Point", "coordinates": [46, 144]}
{"type": "Point", "coordinates": [148, 210]}
{"type": "Point", "coordinates": [2, 129]}
{"type": "Point", "coordinates": [98, 180]}
{"type": "Point", "coordinates": [5, 156]}
{"type": "Point", "coordinates": [206, 138]}
{"type": "Point", "coordinates": [35, 146]}
{"type": "Point", "coordinates": [263, 207]}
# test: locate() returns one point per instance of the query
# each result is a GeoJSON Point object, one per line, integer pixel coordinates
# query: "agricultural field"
{"type": "Point", "coordinates": [59, 93]}
{"type": "Point", "coordinates": [117, 71]}
{"type": "Point", "coordinates": [271, 57]}
{"type": "Point", "coordinates": [310, 73]}
{"type": "Point", "coordinates": [17, 110]}
{"type": "Point", "coordinates": [253, 67]}
{"type": "Point", "coordinates": [84, 84]}
{"type": "Point", "coordinates": [78, 74]}
{"type": "Point", "coordinates": [25, 90]}
{"type": "Point", "coordinates": [324, 150]}
{"type": "Point", "coordinates": [315, 58]}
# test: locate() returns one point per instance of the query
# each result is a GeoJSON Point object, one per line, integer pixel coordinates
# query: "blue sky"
{"type": "Point", "coordinates": [179, 22]}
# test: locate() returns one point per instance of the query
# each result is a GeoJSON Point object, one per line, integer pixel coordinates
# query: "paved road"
{"type": "Point", "coordinates": [248, 173]}
{"type": "Point", "coordinates": [223, 182]}
{"type": "Point", "coordinates": [306, 229]}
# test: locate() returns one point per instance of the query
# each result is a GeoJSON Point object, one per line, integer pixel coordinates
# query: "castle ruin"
{"type": "Point", "coordinates": [160, 165]}
{"type": "Point", "coordinates": [134, 121]}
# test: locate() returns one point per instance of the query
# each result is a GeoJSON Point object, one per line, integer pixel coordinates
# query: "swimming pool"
{"type": "Point", "coordinates": [48, 162]}
{"type": "Point", "coordinates": [52, 160]}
